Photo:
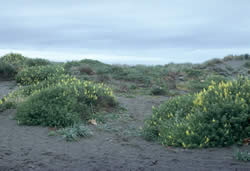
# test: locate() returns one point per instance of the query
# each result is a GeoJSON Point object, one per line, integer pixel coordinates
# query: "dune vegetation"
{"type": "Point", "coordinates": [209, 103]}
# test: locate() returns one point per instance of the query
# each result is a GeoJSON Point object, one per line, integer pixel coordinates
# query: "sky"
{"type": "Point", "coordinates": [125, 31]}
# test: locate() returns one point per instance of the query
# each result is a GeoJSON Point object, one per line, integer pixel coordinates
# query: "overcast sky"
{"type": "Point", "coordinates": [125, 31]}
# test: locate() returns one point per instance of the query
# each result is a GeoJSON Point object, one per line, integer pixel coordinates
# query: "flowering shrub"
{"type": "Point", "coordinates": [32, 75]}
{"type": "Point", "coordinates": [62, 102]}
{"type": "Point", "coordinates": [217, 116]}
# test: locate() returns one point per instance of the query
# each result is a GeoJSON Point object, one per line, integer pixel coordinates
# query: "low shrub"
{"type": "Point", "coordinates": [63, 104]}
{"type": "Point", "coordinates": [217, 116]}
{"type": "Point", "coordinates": [5, 104]}
{"type": "Point", "coordinates": [35, 74]}
{"type": "Point", "coordinates": [156, 90]}
{"type": "Point", "coordinates": [94, 65]}
{"type": "Point", "coordinates": [85, 69]}
{"type": "Point", "coordinates": [242, 155]}
{"type": "Point", "coordinates": [75, 132]}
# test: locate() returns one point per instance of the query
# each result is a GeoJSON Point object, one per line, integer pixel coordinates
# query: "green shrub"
{"type": "Point", "coordinates": [212, 62]}
{"type": "Point", "coordinates": [5, 104]}
{"type": "Point", "coordinates": [156, 90]}
{"type": "Point", "coordinates": [14, 59]}
{"type": "Point", "coordinates": [137, 74]}
{"type": "Point", "coordinates": [194, 73]}
{"type": "Point", "coordinates": [198, 85]}
{"type": "Point", "coordinates": [63, 104]}
{"type": "Point", "coordinates": [48, 108]}
{"type": "Point", "coordinates": [247, 64]}
{"type": "Point", "coordinates": [95, 65]}
{"type": "Point", "coordinates": [242, 155]}
{"type": "Point", "coordinates": [85, 69]}
{"type": "Point", "coordinates": [33, 75]}
{"type": "Point", "coordinates": [7, 71]}
{"type": "Point", "coordinates": [37, 62]}
{"type": "Point", "coordinates": [217, 116]}
{"type": "Point", "coordinates": [103, 78]}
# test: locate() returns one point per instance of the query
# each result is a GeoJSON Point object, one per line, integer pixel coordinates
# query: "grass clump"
{"type": "Point", "coordinates": [64, 103]}
{"type": "Point", "coordinates": [74, 132]}
{"type": "Point", "coordinates": [216, 116]}
{"type": "Point", "coordinates": [35, 74]}
{"type": "Point", "coordinates": [242, 155]}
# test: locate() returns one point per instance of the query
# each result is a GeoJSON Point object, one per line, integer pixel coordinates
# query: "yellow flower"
{"type": "Point", "coordinates": [183, 144]}
{"type": "Point", "coordinates": [187, 133]}
{"type": "Point", "coordinates": [207, 140]}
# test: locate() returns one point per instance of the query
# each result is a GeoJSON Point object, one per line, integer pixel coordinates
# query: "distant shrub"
{"type": "Point", "coordinates": [85, 69]}
{"type": "Point", "coordinates": [217, 116]}
{"type": "Point", "coordinates": [68, 65]}
{"type": "Point", "coordinates": [133, 74]}
{"type": "Point", "coordinates": [33, 75]}
{"type": "Point", "coordinates": [103, 78]}
{"type": "Point", "coordinates": [199, 85]}
{"type": "Point", "coordinates": [119, 72]}
{"type": "Point", "coordinates": [94, 65]}
{"type": "Point", "coordinates": [65, 103]}
{"type": "Point", "coordinates": [37, 62]}
{"type": "Point", "coordinates": [247, 64]}
{"type": "Point", "coordinates": [236, 57]}
{"type": "Point", "coordinates": [213, 62]}
{"type": "Point", "coordinates": [156, 90]}
{"type": "Point", "coordinates": [194, 73]}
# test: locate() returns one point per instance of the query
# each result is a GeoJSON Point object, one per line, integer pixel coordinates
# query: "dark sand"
{"type": "Point", "coordinates": [30, 148]}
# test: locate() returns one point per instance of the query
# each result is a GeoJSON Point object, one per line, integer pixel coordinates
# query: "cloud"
{"type": "Point", "coordinates": [126, 28]}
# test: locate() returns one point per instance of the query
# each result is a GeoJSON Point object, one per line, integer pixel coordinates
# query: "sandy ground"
{"type": "Point", "coordinates": [30, 148]}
